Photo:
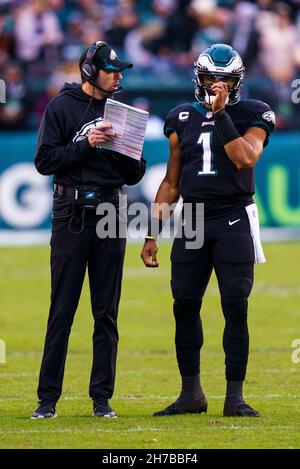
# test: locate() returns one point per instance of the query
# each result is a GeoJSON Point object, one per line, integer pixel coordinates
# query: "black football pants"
{"type": "Point", "coordinates": [71, 254]}
{"type": "Point", "coordinates": [228, 249]}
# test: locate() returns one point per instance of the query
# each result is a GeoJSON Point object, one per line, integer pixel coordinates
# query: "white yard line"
{"type": "Point", "coordinates": [212, 427]}
{"type": "Point", "coordinates": [70, 430]}
{"type": "Point", "coordinates": [162, 398]}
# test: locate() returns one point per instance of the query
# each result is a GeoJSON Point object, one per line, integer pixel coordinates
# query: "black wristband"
{"type": "Point", "coordinates": [155, 226]}
{"type": "Point", "coordinates": [225, 126]}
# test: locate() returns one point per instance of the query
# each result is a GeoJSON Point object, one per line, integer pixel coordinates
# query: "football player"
{"type": "Point", "coordinates": [214, 145]}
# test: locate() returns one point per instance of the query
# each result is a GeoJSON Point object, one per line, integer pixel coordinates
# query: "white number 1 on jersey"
{"type": "Point", "coordinates": [207, 155]}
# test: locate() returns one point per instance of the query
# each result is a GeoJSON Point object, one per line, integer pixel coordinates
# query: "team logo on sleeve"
{"type": "Point", "coordinates": [269, 116]}
{"type": "Point", "coordinates": [183, 116]}
{"type": "Point", "coordinates": [85, 129]}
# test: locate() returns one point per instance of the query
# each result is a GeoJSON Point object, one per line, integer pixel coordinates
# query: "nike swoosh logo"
{"type": "Point", "coordinates": [233, 222]}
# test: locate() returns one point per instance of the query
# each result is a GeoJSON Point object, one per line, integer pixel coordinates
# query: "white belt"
{"type": "Point", "coordinates": [252, 213]}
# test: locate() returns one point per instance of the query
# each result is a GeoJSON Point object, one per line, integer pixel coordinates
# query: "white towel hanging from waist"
{"type": "Point", "coordinates": [252, 213]}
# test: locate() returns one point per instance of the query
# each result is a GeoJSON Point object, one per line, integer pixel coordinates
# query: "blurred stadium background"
{"type": "Point", "coordinates": [41, 40]}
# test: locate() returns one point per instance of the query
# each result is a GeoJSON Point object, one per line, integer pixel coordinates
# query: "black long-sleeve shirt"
{"type": "Point", "coordinates": [63, 149]}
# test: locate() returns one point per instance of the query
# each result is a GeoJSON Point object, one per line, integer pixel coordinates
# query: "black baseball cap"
{"type": "Point", "coordinates": [106, 59]}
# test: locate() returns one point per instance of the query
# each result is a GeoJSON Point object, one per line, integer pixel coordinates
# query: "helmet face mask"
{"type": "Point", "coordinates": [219, 62]}
{"type": "Point", "coordinates": [207, 80]}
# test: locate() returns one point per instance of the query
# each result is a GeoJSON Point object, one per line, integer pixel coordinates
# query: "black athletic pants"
{"type": "Point", "coordinates": [228, 249]}
{"type": "Point", "coordinates": [71, 254]}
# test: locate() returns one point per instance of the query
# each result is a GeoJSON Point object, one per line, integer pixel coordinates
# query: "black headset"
{"type": "Point", "coordinates": [88, 69]}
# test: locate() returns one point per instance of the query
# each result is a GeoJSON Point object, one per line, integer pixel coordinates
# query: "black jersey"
{"type": "Point", "coordinates": [208, 174]}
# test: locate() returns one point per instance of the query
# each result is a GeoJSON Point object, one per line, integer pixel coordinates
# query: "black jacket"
{"type": "Point", "coordinates": [64, 151]}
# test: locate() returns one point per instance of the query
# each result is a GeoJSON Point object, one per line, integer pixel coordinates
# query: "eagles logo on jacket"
{"type": "Point", "coordinates": [63, 149]}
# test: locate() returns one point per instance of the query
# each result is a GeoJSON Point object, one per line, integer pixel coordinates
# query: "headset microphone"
{"type": "Point", "coordinates": [105, 91]}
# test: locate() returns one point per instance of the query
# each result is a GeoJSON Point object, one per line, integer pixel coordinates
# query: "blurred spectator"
{"type": "Point", "coordinates": [6, 27]}
{"type": "Point", "coordinates": [93, 14]}
{"type": "Point", "coordinates": [73, 31]}
{"type": "Point", "coordinates": [178, 27]}
{"type": "Point", "coordinates": [279, 46]}
{"type": "Point", "coordinates": [91, 34]}
{"type": "Point", "coordinates": [155, 124]}
{"type": "Point", "coordinates": [66, 72]}
{"type": "Point", "coordinates": [124, 21]}
{"type": "Point", "coordinates": [37, 32]}
{"type": "Point", "coordinates": [4, 59]}
{"type": "Point", "coordinates": [14, 112]}
{"type": "Point", "coordinates": [245, 15]}
{"type": "Point", "coordinates": [273, 58]}
{"type": "Point", "coordinates": [161, 37]}
{"type": "Point", "coordinates": [214, 24]}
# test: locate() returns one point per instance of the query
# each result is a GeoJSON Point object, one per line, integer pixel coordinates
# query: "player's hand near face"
{"type": "Point", "coordinates": [220, 90]}
{"type": "Point", "coordinates": [101, 134]}
{"type": "Point", "coordinates": [148, 253]}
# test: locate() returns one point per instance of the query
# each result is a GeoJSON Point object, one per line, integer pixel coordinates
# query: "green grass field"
{"type": "Point", "coordinates": [147, 377]}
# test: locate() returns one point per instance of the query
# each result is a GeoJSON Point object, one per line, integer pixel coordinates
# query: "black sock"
{"type": "Point", "coordinates": [192, 397]}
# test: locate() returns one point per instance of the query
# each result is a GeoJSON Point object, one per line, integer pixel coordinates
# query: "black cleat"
{"type": "Point", "coordinates": [45, 410]}
{"type": "Point", "coordinates": [102, 408]}
{"type": "Point", "coordinates": [173, 410]}
{"type": "Point", "coordinates": [240, 410]}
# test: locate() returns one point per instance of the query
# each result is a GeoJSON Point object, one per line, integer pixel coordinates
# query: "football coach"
{"type": "Point", "coordinates": [71, 133]}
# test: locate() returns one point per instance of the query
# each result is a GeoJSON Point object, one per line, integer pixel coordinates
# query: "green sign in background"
{"type": "Point", "coordinates": [277, 174]}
